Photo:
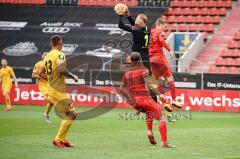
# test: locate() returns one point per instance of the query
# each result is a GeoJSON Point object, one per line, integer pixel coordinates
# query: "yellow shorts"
{"type": "Point", "coordinates": [55, 96]}
{"type": "Point", "coordinates": [44, 91]}
{"type": "Point", "coordinates": [62, 103]}
{"type": "Point", "coordinates": [6, 88]}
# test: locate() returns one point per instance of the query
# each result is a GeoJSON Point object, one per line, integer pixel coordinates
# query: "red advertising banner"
{"type": "Point", "coordinates": [198, 100]}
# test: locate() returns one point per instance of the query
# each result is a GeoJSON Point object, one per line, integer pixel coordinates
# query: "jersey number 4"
{"type": "Point", "coordinates": [48, 65]}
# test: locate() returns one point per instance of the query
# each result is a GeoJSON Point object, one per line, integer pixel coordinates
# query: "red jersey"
{"type": "Point", "coordinates": [134, 80]}
{"type": "Point", "coordinates": [156, 44]}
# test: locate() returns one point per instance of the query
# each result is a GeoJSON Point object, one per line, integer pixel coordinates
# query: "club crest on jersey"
{"type": "Point", "coordinates": [61, 57]}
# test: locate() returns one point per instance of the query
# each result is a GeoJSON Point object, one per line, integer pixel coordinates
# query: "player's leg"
{"type": "Point", "coordinates": [64, 111]}
{"type": "Point", "coordinates": [6, 88]}
{"type": "Point", "coordinates": [7, 102]}
{"type": "Point", "coordinates": [149, 122]}
{"type": "Point", "coordinates": [46, 112]}
{"type": "Point", "coordinates": [156, 110]}
{"type": "Point", "coordinates": [172, 87]}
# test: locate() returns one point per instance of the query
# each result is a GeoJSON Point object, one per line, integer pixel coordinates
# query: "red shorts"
{"type": "Point", "coordinates": [160, 67]}
{"type": "Point", "coordinates": [149, 106]}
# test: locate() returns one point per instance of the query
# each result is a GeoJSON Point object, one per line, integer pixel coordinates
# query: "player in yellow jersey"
{"type": "Point", "coordinates": [42, 86]}
{"type": "Point", "coordinates": [56, 71]}
{"type": "Point", "coordinates": [6, 75]}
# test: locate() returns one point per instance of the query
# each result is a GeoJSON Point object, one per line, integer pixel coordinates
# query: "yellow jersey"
{"type": "Point", "coordinates": [41, 82]}
{"type": "Point", "coordinates": [6, 74]}
{"type": "Point", "coordinates": [55, 80]}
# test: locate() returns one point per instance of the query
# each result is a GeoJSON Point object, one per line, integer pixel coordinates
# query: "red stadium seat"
{"type": "Point", "coordinates": [171, 19]}
{"type": "Point", "coordinates": [232, 45]}
{"type": "Point", "coordinates": [196, 11]}
{"type": "Point", "coordinates": [204, 11]}
{"type": "Point", "coordinates": [222, 11]}
{"type": "Point", "coordinates": [233, 70]}
{"type": "Point", "coordinates": [178, 11]}
{"type": "Point", "coordinates": [220, 4]}
{"type": "Point", "coordinates": [180, 19]}
{"type": "Point", "coordinates": [202, 28]}
{"type": "Point", "coordinates": [207, 19]}
{"type": "Point", "coordinates": [192, 28]}
{"type": "Point", "coordinates": [213, 12]}
{"type": "Point", "coordinates": [216, 20]}
{"type": "Point", "coordinates": [238, 44]}
{"type": "Point", "coordinates": [213, 69]}
{"type": "Point", "coordinates": [228, 62]}
{"type": "Point", "coordinates": [201, 4]}
{"type": "Point", "coordinates": [175, 4]}
{"type": "Point", "coordinates": [228, 4]}
{"type": "Point", "coordinates": [192, 4]}
{"type": "Point", "coordinates": [236, 36]}
{"type": "Point", "coordinates": [222, 70]}
{"type": "Point", "coordinates": [172, 27]}
{"type": "Point", "coordinates": [182, 28]}
{"type": "Point", "coordinates": [184, 4]}
{"type": "Point", "coordinates": [210, 3]}
{"type": "Point", "coordinates": [219, 61]}
{"type": "Point", "coordinates": [187, 11]}
{"type": "Point", "coordinates": [189, 19]}
{"type": "Point", "coordinates": [210, 28]}
{"type": "Point", "coordinates": [225, 53]}
{"type": "Point", "coordinates": [237, 62]}
{"type": "Point", "coordinates": [198, 19]}
{"type": "Point", "coordinates": [235, 53]}
{"type": "Point", "coordinates": [170, 11]}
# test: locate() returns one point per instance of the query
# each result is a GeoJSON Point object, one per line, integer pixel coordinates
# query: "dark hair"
{"type": "Point", "coordinates": [4, 59]}
{"type": "Point", "coordinates": [55, 39]}
{"type": "Point", "coordinates": [160, 21]}
{"type": "Point", "coordinates": [135, 57]}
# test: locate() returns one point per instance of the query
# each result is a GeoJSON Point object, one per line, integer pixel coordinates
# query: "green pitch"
{"type": "Point", "coordinates": [24, 135]}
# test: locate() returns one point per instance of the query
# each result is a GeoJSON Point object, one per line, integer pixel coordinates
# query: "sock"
{"type": "Point", "coordinates": [65, 134]}
{"type": "Point", "coordinates": [173, 89]}
{"type": "Point", "coordinates": [8, 101]}
{"type": "Point", "coordinates": [63, 130]}
{"type": "Point", "coordinates": [163, 130]}
{"type": "Point", "coordinates": [149, 121]}
{"type": "Point", "coordinates": [47, 109]}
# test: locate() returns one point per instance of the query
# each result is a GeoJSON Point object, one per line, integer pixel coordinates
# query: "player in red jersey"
{"type": "Point", "coordinates": [159, 64]}
{"type": "Point", "coordinates": [136, 88]}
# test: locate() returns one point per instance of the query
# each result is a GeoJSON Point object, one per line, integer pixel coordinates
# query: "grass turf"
{"type": "Point", "coordinates": [23, 135]}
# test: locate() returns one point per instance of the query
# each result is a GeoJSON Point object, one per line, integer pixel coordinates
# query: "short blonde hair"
{"type": "Point", "coordinates": [160, 21]}
{"type": "Point", "coordinates": [143, 17]}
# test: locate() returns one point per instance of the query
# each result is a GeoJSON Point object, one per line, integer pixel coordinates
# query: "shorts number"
{"type": "Point", "coordinates": [48, 65]}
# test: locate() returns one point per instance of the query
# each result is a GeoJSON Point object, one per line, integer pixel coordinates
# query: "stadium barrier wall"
{"type": "Point", "coordinates": [198, 100]}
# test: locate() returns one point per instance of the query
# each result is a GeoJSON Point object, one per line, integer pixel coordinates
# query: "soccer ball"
{"type": "Point", "coordinates": [120, 8]}
{"type": "Point", "coordinates": [187, 108]}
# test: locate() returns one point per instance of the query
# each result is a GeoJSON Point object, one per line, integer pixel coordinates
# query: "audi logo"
{"type": "Point", "coordinates": [56, 30]}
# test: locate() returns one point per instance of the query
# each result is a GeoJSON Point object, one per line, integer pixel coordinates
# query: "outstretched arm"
{"type": "Point", "coordinates": [131, 21]}
{"type": "Point", "coordinates": [123, 26]}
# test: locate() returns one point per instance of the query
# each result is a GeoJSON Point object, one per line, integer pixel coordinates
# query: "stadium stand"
{"type": "Point", "coordinates": [196, 15]}
{"type": "Point", "coordinates": [222, 51]}
{"type": "Point", "coordinates": [229, 57]}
